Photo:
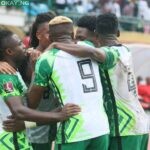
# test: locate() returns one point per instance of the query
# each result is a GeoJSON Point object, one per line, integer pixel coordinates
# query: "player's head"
{"type": "Point", "coordinates": [40, 30]}
{"type": "Point", "coordinates": [107, 24]}
{"type": "Point", "coordinates": [61, 28]}
{"type": "Point", "coordinates": [86, 29]}
{"type": "Point", "coordinates": [11, 47]}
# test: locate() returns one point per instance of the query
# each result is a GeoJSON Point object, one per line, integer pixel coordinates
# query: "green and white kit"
{"type": "Point", "coordinates": [74, 80]}
{"type": "Point", "coordinates": [132, 118]}
{"type": "Point", "coordinates": [11, 85]}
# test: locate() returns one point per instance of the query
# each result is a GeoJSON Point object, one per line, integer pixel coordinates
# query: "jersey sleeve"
{"type": "Point", "coordinates": [9, 86]}
{"type": "Point", "coordinates": [42, 72]}
{"type": "Point", "coordinates": [112, 57]}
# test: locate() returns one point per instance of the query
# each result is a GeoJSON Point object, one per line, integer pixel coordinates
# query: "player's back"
{"type": "Point", "coordinates": [77, 80]}
{"type": "Point", "coordinates": [134, 120]}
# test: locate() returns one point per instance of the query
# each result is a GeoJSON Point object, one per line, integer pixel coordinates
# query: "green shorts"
{"type": "Point", "coordinates": [43, 146]}
{"type": "Point", "coordinates": [98, 143]}
{"type": "Point", "coordinates": [135, 142]}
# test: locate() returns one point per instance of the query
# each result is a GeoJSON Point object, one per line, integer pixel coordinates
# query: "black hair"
{"type": "Point", "coordinates": [41, 18]}
{"type": "Point", "coordinates": [88, 22]}
{"type": "Point", "coordinates": [4, 38]}
{"type": "Point", "coordinates": [107, 24]}
{"type": "Point", "coordinates": [58, 30]}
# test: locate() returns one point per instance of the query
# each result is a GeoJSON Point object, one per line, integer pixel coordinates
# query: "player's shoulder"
{"type": "Point", "coordinates": [8, 79]}
{"type": "Point", "coordinates": [122, 50]}
{"type": "Point", "coordinates": [46, 59]}
{"type": "Point", "coordinates": [113, 49]}
{"type": "Point", "coordinates": [48, 54]}
{"type": "Point", "coordinates": [7, 76]}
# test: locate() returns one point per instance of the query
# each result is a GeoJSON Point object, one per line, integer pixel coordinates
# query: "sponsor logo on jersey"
{"type": "Point", "coordinates": [8, 87]}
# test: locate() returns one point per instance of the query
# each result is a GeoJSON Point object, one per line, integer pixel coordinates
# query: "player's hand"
{"type": "Point", "coordinates": [13, 125]}
{"type": "Point", "coordinates": [33, 56]}
{"type": "Point", "coordinates": [70, 110]}
{"type": "Point", "coordinates": [6, 68]}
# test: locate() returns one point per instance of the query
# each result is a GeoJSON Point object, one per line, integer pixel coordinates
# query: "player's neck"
{"type": "Point", "coordinates": [64, 39]}
{"type": "Point", "coordinates": [11, 63]}
{"type": "Point", "coordinates": [109, 41]}
{"type": "Point", "coordinates": [41, 48]}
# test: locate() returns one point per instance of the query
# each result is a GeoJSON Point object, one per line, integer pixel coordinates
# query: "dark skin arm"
{"type": "Point", "coordinates": [33, 55]}
{"type": "Point", "coordinates": [6, 68]}
{"type": "Point", "coordinates": [80, 50]}
{"type": "Point", "coordinates": [20, 112]}
{"type": "Point", "coordinates": [35, 95]}
{"type": "Point", "coordinates": [14, 125]}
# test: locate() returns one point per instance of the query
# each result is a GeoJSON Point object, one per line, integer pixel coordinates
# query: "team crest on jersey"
{"type": "Point", "coordinates": [8, 87]}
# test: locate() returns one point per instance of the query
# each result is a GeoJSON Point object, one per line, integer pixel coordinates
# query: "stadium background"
{"type": "Point", "coordinates": [134, 18]}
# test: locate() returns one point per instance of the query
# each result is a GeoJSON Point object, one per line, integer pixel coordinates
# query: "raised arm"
{"type": "Point", "coordinates": [81, 50]}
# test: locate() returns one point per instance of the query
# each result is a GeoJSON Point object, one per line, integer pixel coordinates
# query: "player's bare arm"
{"type": "Point", "coordinates": [15, 123]}
{"type": "Point", "coordinates": [81, 51]}
{"type": "Point", "coordinates": [35, 95]}
{"type": "Point", "coordinates": [33, 56]}
{"type": "Point", "coordinates": [6, 68]}
{"type": "Point", "coordinates": [20, 112]}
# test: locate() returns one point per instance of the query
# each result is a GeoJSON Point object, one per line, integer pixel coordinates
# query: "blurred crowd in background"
{"type": "Point", "coordinates": [138, 10]}
{"type": "Point", "coordinates": [144, 91]}
{"type": "Point", "coordinates": [135, 8]}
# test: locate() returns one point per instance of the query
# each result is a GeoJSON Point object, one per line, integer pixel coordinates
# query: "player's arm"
{"type": "Point", "coordinates": [33, 56]}
{"type": "Point", "coordinates": [81, 50]}
{"type": "Point", "coordinates": [11, 124]}
{"type": "Point", "coordinates": [39, 83]}
{"type": "Point", "coordinates": [16, 122]}
{"type": "Point", "coordinates": [35, 95]}
{"type": "Point", "coordinates": [6, 68]}
{"type": "Point", "coordinates": [107, 56]}
{"type": "Point", "coordinates": [20, 112]}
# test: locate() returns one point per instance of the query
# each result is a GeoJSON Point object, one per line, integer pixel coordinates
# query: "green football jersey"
{"type": "Point", "coordinates": [132, 119]}
{"type": "Point", "coordinates": [74, 80]}
{"type": "Point", "coordinates": [11, 85]}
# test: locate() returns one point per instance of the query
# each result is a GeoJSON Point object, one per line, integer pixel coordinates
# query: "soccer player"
{"type": "Point", "coordinates": [40, 136]}
{"type": "Point", "coordinates": [128, 122]}
{"type": "Point", "coordinates": [39, 39]}
{"type": "Point", "coordinates": [73, 80]}
{"type": "Point", "coordinates": [39, 36]}
{"type": "Point", "coordinates": [86, 30]}
{"type": "Point", "coordinates": [12, 89]}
